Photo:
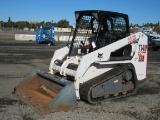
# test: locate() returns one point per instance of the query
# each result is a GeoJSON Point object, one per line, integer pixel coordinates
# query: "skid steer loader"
{"type": "Point", "coordinates": [101, 61]}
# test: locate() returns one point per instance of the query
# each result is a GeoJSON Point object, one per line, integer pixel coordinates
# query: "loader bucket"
{"type": "Point", "coordinates": [46, 93]}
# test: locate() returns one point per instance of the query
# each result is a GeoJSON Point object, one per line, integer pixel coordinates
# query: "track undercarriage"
{"type": "Point", "coordinates": [118, 82]}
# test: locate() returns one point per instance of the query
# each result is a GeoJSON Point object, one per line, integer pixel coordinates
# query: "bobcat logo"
{"type": "Point", "coordinates": [100, 55]}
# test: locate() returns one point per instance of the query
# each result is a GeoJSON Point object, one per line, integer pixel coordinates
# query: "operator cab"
{"type": "Point", "coordinates": [96, 29]}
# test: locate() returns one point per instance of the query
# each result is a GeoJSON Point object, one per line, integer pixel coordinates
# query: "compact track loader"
{"type": "Point", "coordinates": [101, 61]}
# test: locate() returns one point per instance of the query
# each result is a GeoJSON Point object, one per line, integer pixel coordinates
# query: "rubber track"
{"type": "Point", "coordinates": [86, 88]}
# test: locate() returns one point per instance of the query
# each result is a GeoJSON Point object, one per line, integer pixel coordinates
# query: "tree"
{"type": "Point", "coordinates": [63, 23]}
{"type": "Point", "coordinates": [54, 24]}
{"type": "Point", "coordinates": [131, 25]}
{"type": "Point", "coordinates": [157, 24]}
{"type": "Point", "coordinates": [157, 29]}
{"type": "Point", "coordinates": [10, 23]}
{"type": "Point", "coordinates": [136, 25]}
{"type": "Point", "coordinates": [22, 24]}
{"type": "Point", "coordinates": [148, 25]}
{"type": "Point", "coordinates": [9, 19]}
{"type": "Point", "coordinates": [1, 24]}
{"type": "Point", "coordinates": [42, 23]}
{"type": "Point", "coordinates": [48, 24]}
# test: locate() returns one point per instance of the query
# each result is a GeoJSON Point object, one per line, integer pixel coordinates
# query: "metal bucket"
{"type": "Point", "coordinates": [46, 93]}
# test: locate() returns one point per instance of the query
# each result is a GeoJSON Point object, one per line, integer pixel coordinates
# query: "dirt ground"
{"type": "Point", "coordinates": [19, 58]}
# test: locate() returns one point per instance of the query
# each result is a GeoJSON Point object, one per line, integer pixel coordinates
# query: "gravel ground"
{"type": "Point", "coordinates": [18, 58]}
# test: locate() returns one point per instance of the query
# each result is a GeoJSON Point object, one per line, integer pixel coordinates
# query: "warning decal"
{"type": "Point", "coordinates": [142, 52]}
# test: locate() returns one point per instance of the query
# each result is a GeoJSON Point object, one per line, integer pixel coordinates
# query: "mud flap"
{"type": "Point", "coordinates": [46, 93]}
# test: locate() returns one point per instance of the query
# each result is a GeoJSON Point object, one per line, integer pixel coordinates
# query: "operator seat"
{"type": "Point", "coordinates": [124, 51]}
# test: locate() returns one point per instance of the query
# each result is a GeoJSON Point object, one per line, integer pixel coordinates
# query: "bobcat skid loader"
{"type": "Point", "coordinates": [101, 61]}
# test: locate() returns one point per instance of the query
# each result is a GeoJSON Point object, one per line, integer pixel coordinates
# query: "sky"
{"type": "Point", "coordinates": [139, 11]}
